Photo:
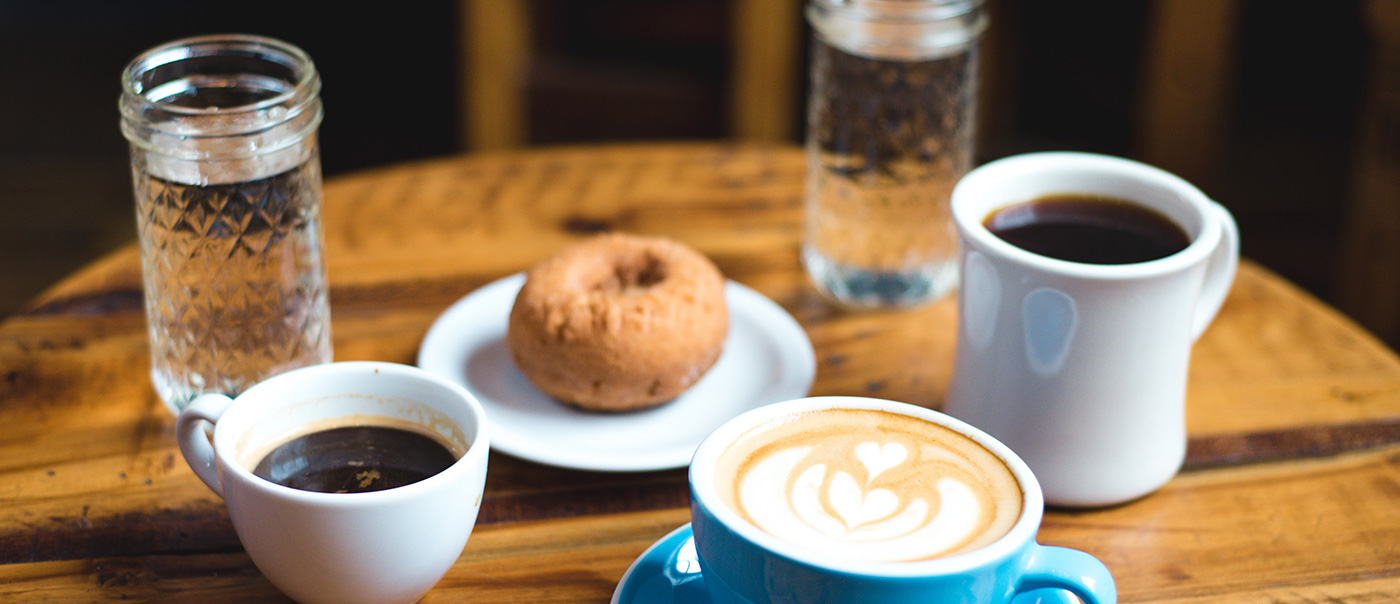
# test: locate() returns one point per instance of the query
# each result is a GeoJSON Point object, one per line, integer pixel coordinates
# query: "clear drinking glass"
{"type": "Point", "coordinates": [890, 129]}
{"type": "Point", "coordinates": [227, 178]}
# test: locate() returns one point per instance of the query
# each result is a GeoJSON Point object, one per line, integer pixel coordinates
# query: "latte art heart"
{"type": "Point", "coordinates": [878, 458]}
{"type": "Point", "coordinates": [855, 506]}
{"type": "Point", "coordinates": [871, 486]}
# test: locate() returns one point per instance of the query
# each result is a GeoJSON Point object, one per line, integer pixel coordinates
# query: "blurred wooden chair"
{"type": "Point", "coordinates": [496, 47]}
{"type": "Point", "coordinates": [1188, 70]}
{"type": "Point", "coordinates": [1368, 265]}
{"type": "Point", "coordinates": [1187, 87]}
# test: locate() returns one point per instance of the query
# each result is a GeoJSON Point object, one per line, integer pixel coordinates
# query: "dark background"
{"type": "Point", "coordinates": [656, 70]}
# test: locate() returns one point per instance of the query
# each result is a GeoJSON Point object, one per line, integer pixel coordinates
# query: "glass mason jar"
{"type": "Point", "coordinates": [890, 129]}
{"type": "Point", "coordinates": [227, 178]}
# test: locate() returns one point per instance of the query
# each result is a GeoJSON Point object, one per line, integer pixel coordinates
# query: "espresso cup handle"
{"type": "Point", "coordinates": [194, 443]}
{"type": "Point", "coordinates": [1220, 271]}
{"type": "Point", "coordinates": [1068, 569]}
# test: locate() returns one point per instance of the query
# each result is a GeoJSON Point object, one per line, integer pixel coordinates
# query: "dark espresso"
{"type": "Point", "coordinates": [356, 459]}
{"type": "Point", "coordinates": [1088, 229]}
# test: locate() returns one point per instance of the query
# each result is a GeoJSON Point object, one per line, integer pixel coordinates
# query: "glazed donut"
{"type": "Point", "coordinates": [619, 322]}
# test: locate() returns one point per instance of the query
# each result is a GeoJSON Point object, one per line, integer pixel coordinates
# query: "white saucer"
{"type": "Point", "coordinates": [767, 358]}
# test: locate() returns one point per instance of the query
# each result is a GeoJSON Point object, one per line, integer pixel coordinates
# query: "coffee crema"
{"type": "Point", "coordinates": [354, 458]}
{"type": "Point", "coordinates": [869, 485]}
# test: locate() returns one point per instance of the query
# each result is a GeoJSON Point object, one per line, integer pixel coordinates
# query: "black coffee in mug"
{"type": "Point", "coordinates": [1088, 229]}
{"type": "Point", "coordinates": [355, 459]}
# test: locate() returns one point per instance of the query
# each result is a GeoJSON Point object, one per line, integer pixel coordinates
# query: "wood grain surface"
{"type": "Point", "coordinates": [1291, 491]}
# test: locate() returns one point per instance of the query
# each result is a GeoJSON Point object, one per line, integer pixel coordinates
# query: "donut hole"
{"type": "Point", "coordinates": [632, 272]}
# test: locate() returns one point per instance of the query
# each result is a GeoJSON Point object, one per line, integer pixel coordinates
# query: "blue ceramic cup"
{"type": "Point", "coordinates": [743, 564]}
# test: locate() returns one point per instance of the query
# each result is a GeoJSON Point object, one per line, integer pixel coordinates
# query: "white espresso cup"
{"type": "Point", "coordinates": [1081, 368]}
{"type": "Point", "coordinates": [382, 547]}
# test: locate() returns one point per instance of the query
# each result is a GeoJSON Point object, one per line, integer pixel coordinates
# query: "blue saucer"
{"type": "Point", "coordinates": [668, 572]}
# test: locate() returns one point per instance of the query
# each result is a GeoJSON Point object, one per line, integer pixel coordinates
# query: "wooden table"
{"type": "Point", "coordinates": [1291, 491]}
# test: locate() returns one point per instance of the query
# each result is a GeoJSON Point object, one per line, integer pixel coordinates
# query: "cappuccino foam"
{"type": "Point", "coordinates": [869, 485]}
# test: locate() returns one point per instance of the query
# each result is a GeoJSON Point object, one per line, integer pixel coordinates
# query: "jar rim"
{"type": "Point", "coordinates": [135, 90]}
{"type": "Point", "coordinates": [902, 30]}
{"type": "Point", "coordinates": [216, 108]}
{"type": "Point", "coordinates": [901, 10]}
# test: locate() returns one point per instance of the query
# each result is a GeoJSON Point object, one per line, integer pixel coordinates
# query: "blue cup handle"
{"type": "Point", "coordinates": [1061, 568]}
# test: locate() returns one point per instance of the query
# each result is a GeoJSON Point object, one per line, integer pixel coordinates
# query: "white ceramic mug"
{"type": "Point", "coordinates": [1081, 368]}
{"type": "Point", "coordinates": [388, 546]}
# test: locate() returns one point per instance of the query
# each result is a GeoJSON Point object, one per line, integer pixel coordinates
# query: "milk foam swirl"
{"type": "Point", "coordinates": [872, 486]}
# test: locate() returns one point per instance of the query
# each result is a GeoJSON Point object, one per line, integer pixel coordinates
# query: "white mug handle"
{"type": "Point", "coordinates": [1220, 271]}
{"type": "Point", "coordinates": [194, 443]}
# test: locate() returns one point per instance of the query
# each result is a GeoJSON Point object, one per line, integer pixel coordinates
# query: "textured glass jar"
{"type": "Point", "coordinates": [227, 178]}
{"type": "Point", "coordinates": [890, 129]}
